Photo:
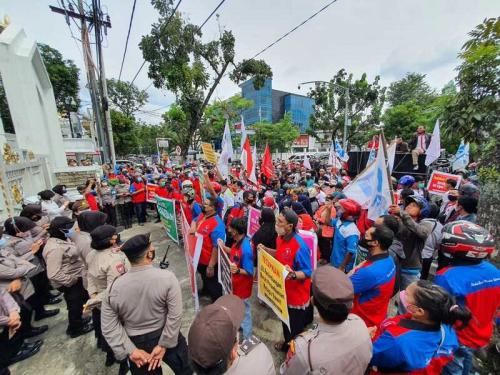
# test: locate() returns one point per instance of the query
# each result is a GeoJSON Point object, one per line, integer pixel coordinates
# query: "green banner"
{"type": "Point", "coordinates": [166, 209]}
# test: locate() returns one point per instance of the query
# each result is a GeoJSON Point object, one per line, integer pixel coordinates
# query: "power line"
{"type": "Point", "coordinates": [165, 25]}
{"type": "Point", "coordinates": [211, 14]}
{"type": "Point", "coordinates": [295, 28]}
{"type": "Point", "coordinates": [126, 42]}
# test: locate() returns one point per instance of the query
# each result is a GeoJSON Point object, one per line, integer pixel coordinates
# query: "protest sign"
{"type": "Point", "coordinates": [151, 193]}
{"type": "Point", "coordinates": [224, 272]}
{"type": "Point", "coordinates": [311, 240]}
{"type": "Point", "coordinates": [271, 286]}
{"type": "Point", "coordinates": [253, 221]}
{"type": "Point", "coordinates": [166, 210]}
{"type": "Point", "coordinates": [361, 255]}
{"type": "Point", "coordinates": [437, 182]}
{"type": "Point", "coordinates": [192, 250]}
{"type": "Point", "coordinates": [208, 152]}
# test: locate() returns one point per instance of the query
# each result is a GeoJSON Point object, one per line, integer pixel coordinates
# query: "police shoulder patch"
{"type": "Point", "coordinates": [120, 268]}
{"type": "Point", "coordinates": [249, 344]}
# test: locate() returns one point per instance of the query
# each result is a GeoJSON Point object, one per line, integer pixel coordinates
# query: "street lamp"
{"type": "Point", "coordinates": [70, 103]}
{"type": "Point", "coordinates": [346, 110]}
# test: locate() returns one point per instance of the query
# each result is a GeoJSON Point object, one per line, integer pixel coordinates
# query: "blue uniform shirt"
{"type": "Point", "coordinates": [345, 240]}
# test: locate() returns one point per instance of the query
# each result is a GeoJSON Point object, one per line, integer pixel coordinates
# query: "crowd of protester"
{"type": "Point", "coordinates": [426, 255]}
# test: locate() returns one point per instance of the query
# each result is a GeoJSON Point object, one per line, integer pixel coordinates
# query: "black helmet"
{"type": "Point", "coordinates": [463, 239]}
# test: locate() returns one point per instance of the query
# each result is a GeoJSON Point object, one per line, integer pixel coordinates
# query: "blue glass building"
{"type": "Point", "coordinates": [271, 105]}
{"type": "Point", "coordinates": [262, 102]}
{"type": "Point", "coordinates": [301, 107]}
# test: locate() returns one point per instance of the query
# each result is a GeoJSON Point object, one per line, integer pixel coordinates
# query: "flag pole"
{"type": "Point", "coordinates": [384, 148]}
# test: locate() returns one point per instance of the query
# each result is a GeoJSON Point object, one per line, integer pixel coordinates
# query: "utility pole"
{"type": "Point", "coordinates": [102, 77]}
{"type": "Point", "coordinates": [346, 116]}
{"type": "Point", "coordinates": [105, 143]}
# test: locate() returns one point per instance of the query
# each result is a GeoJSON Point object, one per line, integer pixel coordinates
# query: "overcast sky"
{"type": "Point", "coordinates": [379, 37]}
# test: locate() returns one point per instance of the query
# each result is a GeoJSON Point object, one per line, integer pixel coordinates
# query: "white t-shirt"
{"type": "Point", "coordinates": [321, 197]}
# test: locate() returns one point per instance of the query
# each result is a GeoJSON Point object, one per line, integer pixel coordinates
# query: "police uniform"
{"type": "Point", "coordinates": [142, 309]}
{"type": "Point", "coordinates": [331, 348]}
{"type": "Point", "coordinates": [213, 336]}
{"type": "Point", "coordinates": [64, 270]}
{"type": "Point", "coordinates": [253, 358]}
{"type": "Point", "coordinates": [105, 264]}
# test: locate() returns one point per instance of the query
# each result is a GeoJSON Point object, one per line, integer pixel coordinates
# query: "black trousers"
{"type": "Point", "coordinates": [140, 211]}
{"type": "Point", "coordinates": [211, 285]}
{"type": "Point", "coordinates": [125, 212]}
{"type": "Point", "coordinates": [41, 284]}
{"type": "Point", "coordinates": [299, 319]}
{"type": "Point", "coordinates": [26, 313]}
{"type": "Point", "coordinates": [96, 320]}
{"type": "Point", "coordinates": [8, 348]}
{"type": "Point", "coordinates": [176, 358]}
{"type": "Point", "coordinates": [75, 296]}
{"type": "Point", "coordinates": [325, 248]}
{"type": "Point", "coordinates": [110, 210]}
{"type": "Point", "coordinates": [426, 267]}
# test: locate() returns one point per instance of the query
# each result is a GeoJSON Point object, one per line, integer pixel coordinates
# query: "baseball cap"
{"type": "Point", "coordinates": [213, 332]}
{"type": "Point", "coordinates": [331, 286]}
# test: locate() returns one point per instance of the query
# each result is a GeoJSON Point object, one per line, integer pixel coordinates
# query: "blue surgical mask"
{"type": "Point", "coordinates": [68, 233]}
{"type": "Point", "coordinates": [3, 242]}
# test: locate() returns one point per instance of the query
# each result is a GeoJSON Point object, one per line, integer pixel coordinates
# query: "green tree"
{"type": "Point", "coordinates": [220, 111]}
{"type": "Point", "coordinates": [63, 75]}
{"type": "Point", "coordinates": [126, 97]}
{"type": "Point", "coordinates": [124, 136]}
{"type": "Point", "coordinates": [474, 113]}
{"type": "Point", "coordinates": [410, 88]}
{"type": "Point", "coordinates": [180, 61]}
{"type": "Point", "coordinates": [279, 135]}
{"type": "Point", "coordinates": [365, 105]}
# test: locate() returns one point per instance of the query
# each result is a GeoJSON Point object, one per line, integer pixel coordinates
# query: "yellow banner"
{"type": "Point", "coordinates": [209, 152]}
{"type": "Point", "coordinates": [271, 287]}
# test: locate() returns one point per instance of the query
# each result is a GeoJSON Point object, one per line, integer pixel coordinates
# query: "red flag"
{"type": "Point", "coordinates": [267, 163]}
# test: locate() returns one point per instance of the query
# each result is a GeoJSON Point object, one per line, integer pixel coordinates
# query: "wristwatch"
{"type": "Point", "coordinates": [294, 275]}
{"type": "Point", "coordinates": [238, 270]}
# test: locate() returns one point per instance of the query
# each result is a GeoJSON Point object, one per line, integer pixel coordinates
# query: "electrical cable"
{"type": "Point", "coordinates": [211, 14]}
{"type": "Point", "coordinates": [126, 42]}
{"type": "Point", "coordinates": [168, 21]}
{"type": "Point", "coordinates": [294, 29]}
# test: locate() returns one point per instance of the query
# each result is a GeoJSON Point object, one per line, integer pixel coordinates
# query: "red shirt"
{"type": "Point", "coordinates": [139, 197]}
{"type": "Point", "coordinates": [162, 192]}
{"type": "Point", "coordinates": [293, 252]}
{"type": "Point", "coordinates": [92, 201]}
{"type": "Point", "coordinates": [211, 228]}
{"type": "Point", "coordinates": [242, 284]}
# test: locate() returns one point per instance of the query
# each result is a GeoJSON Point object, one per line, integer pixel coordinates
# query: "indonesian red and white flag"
{"type": "Point", "coordinates": [246, 157]}
{"type": "Point", "coordinates": [253, 176]}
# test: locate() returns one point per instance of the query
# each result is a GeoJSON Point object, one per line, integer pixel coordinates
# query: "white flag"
{"type": "Point", "coordinates": [306, 164]}
{"type": "Point", "coordinates": [371, 188]}
{"type": "Point", "coordinates": [226, 152]}
{"type": "Point", "coordinates": [243, 133]}
{"type": "Point", "coordinates": [391, 156]}
{"type": "Point", "coordinates": [461, 160]}
{"type": "Point", "coordinates": [434, 150]}
{"type": "Point", "coordinates": [252, 177]}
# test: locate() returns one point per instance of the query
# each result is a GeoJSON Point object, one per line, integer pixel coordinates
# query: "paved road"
{"type": "Point", "coordinates": [61, 355]}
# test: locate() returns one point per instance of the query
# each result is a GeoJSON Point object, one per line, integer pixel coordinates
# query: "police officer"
{"type": "Point", "coordinates": [340, 344]}
{"type": "Point", "coordinates": [105, 263]}
{"type": "Point", "coordinates": [141, 314]}
{"type": "Point", "coordinates": [213, 342]}
{"type": "Point", "coordinates": [64, 270]}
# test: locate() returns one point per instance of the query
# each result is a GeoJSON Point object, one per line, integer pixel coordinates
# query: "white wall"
{"type": "Point", "coordinates": [30, 97]}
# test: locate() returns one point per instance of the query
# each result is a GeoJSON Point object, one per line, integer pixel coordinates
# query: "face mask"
{"type": "Point", "coordinates": [3, 242]}
{"type": "Point", "coordinates": [279, 230]}
{"type": "Point", "coordinates": [64, 191]}
{"type": "Point", "coordinates": [366, 243]}
{"type": "Point", "coordinates": [68, 233]}
{"type": "Point", "coordinates": [138, 179]}
{"type": "Point", "coordinates": [339, 214]}
{"type": "Point", "coordinates": [421, 185]}
{"type": "Point", "coordinates": [162, 184]}
{"type": "Point", "coordinates": [203, 210]}
{"type": "Point", "coordinates": [452, 198]}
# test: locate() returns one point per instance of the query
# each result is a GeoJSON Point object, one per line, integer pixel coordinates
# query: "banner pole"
{"type": "Point", "coordinates": [382, 136]}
